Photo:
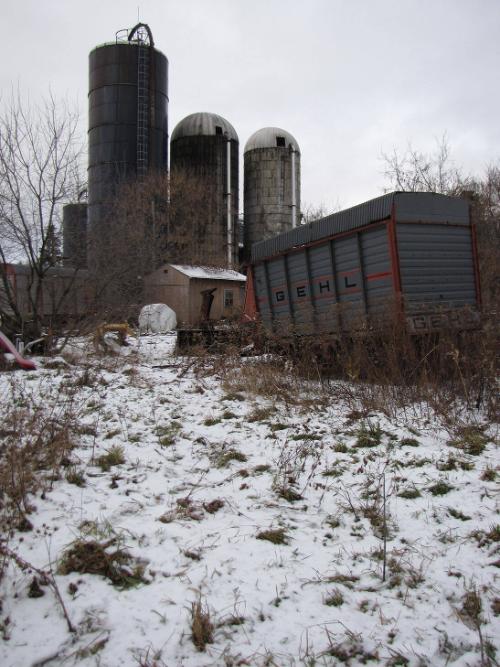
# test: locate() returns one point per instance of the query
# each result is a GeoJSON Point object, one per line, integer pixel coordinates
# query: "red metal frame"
{"type": "Point", "coordinates": [475, 260]}
{"type": "Point", "coordinates": [251, 311]}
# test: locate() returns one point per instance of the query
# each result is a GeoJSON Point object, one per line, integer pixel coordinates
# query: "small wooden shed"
{"type": "Point", "coordinates": [180, 287]}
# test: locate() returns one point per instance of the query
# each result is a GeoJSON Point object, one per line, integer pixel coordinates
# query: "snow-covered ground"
{"type": "Point", "coordinates": [210, 469]}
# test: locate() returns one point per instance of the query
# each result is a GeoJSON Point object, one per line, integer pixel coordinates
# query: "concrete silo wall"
{"type": "Point", "coordinates": [268, 195]}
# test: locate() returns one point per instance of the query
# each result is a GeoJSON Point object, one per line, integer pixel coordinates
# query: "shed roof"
{"type": "Point", "coordinates": [208, 272]}
{"type": "Point", "coordinates": [409, 207]}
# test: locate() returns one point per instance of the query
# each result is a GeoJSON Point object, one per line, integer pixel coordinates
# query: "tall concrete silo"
{"type": "Point", "coordinates": [75, 235]}
{"type": "Point", "coordinates": [128, 129]}
{"type": "Point", "coordinates": [271, 185]}
{"type": "Point", "coordinates": [204, 147]}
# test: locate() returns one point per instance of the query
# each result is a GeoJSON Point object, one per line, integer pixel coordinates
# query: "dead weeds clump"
{"type": "Point", "coordinates": [273, 535]}
{"type": "Point", "coordinates": [202, 627]}
{"type": "Point", "coordinates": [113, 457]}
{"type": "Point", "coordinates": [36, 441]}
{"type": "Point", "coordinates": [93, 557]}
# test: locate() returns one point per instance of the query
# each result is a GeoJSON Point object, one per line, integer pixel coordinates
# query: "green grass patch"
{"type": "Point", "coordinates": [457, 514]}
{"type": "Point", "coordinates": [278, 426]}
{"type": "Point", "coordinates": [113, 457]}
{"type": "Point", "coordinates": [288, 494]}
{"type": "Point", "coordinates": [440, 488]}
{"type": "Point", "coordinates": [262, 467]}
{"type": "Point", "coordinates": [409, 442]}
{"type": "Point", "coordinates": [306, 436]}
{"type": "Point", "coordinates": [368, 435]}
{"type": "Point", "coordinates": [230, 455]}
{"type": "Point", "coordinates": [489, 474]}
{"type": "Point", "coordinates": [228, 414]}
{"type": "Point", "coordinates": [410, 493]}
{"type": "Point", "coordinates": [274, 535]}
{"type": "Point", "coordinates": [212, 421]}
{"type": "Point", "coordinates": [76, 477]}
{"type": "Point", "coordinates": [470, 439]}
{"type": "Point", "coordinates": [334, 598]}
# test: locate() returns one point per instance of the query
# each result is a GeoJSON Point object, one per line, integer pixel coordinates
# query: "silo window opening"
{"type": "Point", "coordinates": [218, 129]}
{"type": "Point", "coordinates": [228, 298]}
{"type": "Point", "coordinates": [280, 141]}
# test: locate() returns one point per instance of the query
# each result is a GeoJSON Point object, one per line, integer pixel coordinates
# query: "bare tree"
{"type": "Point", "coordinates": [40, 161]}
{"type": "Point", "coordinates": [414, 171]}
{"type": "Point", "coordinates": [312, 212]}
{"type": "Point", "coordinates": [127, 243]}
{"type": "Point", "coordinates": [152, 220]}
{"type": "Point", "coordinates": [191, 237]}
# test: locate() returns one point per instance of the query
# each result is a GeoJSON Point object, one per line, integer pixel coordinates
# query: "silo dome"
{"type": "Point", "coordinates": [204, 150]}
{"type": "Point", "coordinates": [271, 185]}
{"type": "Point", "coordinates": [271, 137]}
{"type": "Point", "coordinates": [204, 124]}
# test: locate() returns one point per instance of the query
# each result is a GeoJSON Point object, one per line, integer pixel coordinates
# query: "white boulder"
{"type": "Point", "coordinates": [157, 318]}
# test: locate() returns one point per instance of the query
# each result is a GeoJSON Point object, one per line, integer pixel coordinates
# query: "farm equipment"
{"type": "Point", "coordinates": [406, 256]}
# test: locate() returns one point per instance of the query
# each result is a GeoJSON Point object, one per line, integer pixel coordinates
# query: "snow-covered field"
{"type": "Point", "coordinates": [253, 524]}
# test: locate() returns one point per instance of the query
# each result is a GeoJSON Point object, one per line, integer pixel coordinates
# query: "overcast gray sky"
{"type": "Point", "coordinates": [348, 78]}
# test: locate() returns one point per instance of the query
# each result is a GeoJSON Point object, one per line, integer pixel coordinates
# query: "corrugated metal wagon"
{"type": "Point", "coordinates": [407, 254]}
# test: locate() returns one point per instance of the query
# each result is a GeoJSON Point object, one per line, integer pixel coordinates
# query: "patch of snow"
{"type": "Point", "coordinates": [208, 272]}
{"type": "Point", "coordinates": [268, 602]}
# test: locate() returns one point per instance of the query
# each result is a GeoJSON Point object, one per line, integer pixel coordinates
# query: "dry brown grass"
{"type": "Point", "coordinates": [36, 441]}
{"type": "Point", "coordinates": [449, 373]}
{"type": "Point", "coordinates": [202, 627]}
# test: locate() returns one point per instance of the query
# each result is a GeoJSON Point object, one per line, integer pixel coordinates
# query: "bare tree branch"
{"type": "Point", "coordinates": [40, 166]}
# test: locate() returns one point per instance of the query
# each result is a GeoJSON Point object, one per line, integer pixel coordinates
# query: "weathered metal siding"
{"type": "Point", "coordinates": [431, 207]}
{"type": "Point", "coordinates": [337, 223]}
{"type": "Point", "coordinates": [378, 276]}
{"type": "Point", "coordinates": [332, 274]}
{"type": "Point", "coordinates": [114, 147]}
{"type": "Point", "coordinates": [408, 207]}
{"type": "Point", "coordinates": [437, 266]}
{"type": "Point", "coordinates": [326, 287]}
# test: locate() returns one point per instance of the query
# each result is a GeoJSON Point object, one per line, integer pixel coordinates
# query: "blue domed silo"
{"type": "Point", "coordinates": [205, 146]}
{"type": "Point", "coordinates": [128, 117]}
{"type": "Point", "coordinates": [271, 185]}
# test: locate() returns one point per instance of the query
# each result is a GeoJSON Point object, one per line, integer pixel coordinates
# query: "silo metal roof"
{"type": "Point", "coordinates": [266, 138]}
{"type": "Point", "coordinates": [203, 124]}
{"type": "Point", "coordinates": [409, 207]}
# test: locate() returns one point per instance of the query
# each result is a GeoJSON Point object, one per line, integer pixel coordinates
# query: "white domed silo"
{"type": "Point", "coordinates": [271, 185]}
{"type": "Point", "coordinates": [205, 146]}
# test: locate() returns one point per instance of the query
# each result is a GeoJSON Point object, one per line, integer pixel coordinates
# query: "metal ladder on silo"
{"type": "Point", "coordinates": [142, 109]}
